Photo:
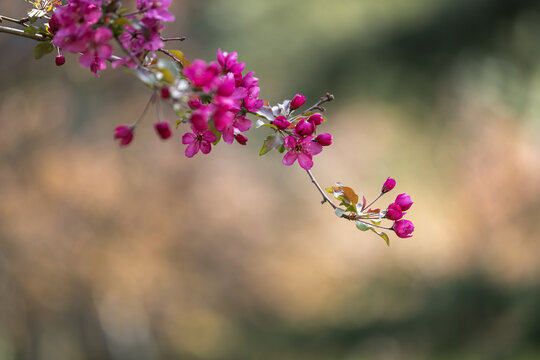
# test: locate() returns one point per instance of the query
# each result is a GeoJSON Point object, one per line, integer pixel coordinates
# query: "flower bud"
{"type": "Point", "coordinates": [241, 138]}
{"type": "Point", "coordinates": [297, 101]}
{"type": "Point", "coordinates": [316, 119]}
{"type": "Point", "coordinates": [388, 185]}
{"type": "Point", "coordinates": [163, 130]}
{"type": "Point", "coordinates": [404, 201]}
{"type": "Point", "coordinates": [165, 93]}
{"type": "Point", "coordinates": [403, 228]}
{"type": "Point", "coordinates": [304, 128]}
{"type": "Point", "coordinates": [194, 103]}
{"type": "Point", "coordinates": [124, 134]}
{"type": "Point", "coordinates": [281, 122]}
{"type": "Point", "coordinates": [394, 212]}
{"type": "Point", "coordinates": [60, 60]}
{"type": "Point", "coordinates": [324, 139]}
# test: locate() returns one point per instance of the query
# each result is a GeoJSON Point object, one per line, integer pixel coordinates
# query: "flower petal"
{"type": "Point", "coordinates": [290, 142]}
{"type": "Point", "coordinates": [192, 149]}
{"type": "Point", "coordinates": [206, 147]}
{"type": "Point", "coordinates": [289, 158]}
{"type": "Point", "coordinates": [188, 138]}
{"type": "Point", "coordinates": [305, 161]}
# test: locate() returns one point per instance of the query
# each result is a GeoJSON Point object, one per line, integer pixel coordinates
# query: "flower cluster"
{"type": "Point", "coordinates": [76, 29]}
{"type": "Point", "coordinates": [396, 210]}
{"type": "Point", "coordinates": [226, 96]}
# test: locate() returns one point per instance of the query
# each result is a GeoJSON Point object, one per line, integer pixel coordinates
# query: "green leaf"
{"type": "Point", "coordinates": [32, 30]}
{"type": "Point", "coordinates": [362, 226]}
{"type": "Point", "coordinates": [383, 235]}
{"type": "Point", "coordinates": [339, 212]}
{"type": "Point", "coordinates": [270, 143]}
{"type": "Point", "coordinates": [281, 149]}
{"type": "Point", "coordinates": [43, 49]}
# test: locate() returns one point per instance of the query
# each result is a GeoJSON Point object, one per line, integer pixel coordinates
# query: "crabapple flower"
{"type": "Point", "coordinates": [304, 128]}
{"type": "Point", "coordinates": [124, 134]}
{"type": "Point", "coordinates": [229, 62]}
{"type": "Point", "coordinates": [163, 130]}
{"type": "Point", "coordinates": [324, 139]}
{"type": "Point", "coordinates": [316, 119]}
{"type": "Point", "coordinates": [198, 140]}
{"type": "Point", "coordinates": [201, 74]}
{"type": "Point", "coordinates": [156, 9]}
{"type": "Point", "coordinates": [394, 212]}
{"type": "Point", "coordinates": [297, 101]}
{"type": "Point", "coordinates": [403, 228]}
{"type": "Point", "coordinates": [404, 201]}
{"type": "Point", "coordinates": [302, 149]}
{"type": "Point", "coordinates": [60, 60]}
{"type": "Point", "coordinates": [281, 122]}
{"type": "Point", "coordinates": [98, 50]}
{"type": "Point", "coordinates": [388, 185]}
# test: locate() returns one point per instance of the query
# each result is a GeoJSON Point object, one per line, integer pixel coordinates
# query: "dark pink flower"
{"type": "Point", "coordinates": [198, 140]}
{"type": "Point", "coordinates": [324, 139]}
{"type": "Point", "coordinates": [124, 134]}
{"type": "Point", "coordinates": [163, 130]}
{"type": "Point", "coordinates": [201, 74]}
{"type": "Point", "coordinates": [239, 125]}
{"type": "Point", "coordinates": [388, 185]}
{"type": "Point", "coordinates": [394, 212]}
{"type": "Point", "coordinates": [302, 149]}
{"type": "Point", "coordinates": [404, 201]}
{"type": "Point", "coordinates": [251, 101]}
{"type": "Point", "coordinates": [304, 128]}
{"type": "Point", "coordinates": [194, 103]}
{"type": "Point", "coordinates": [403, 228]}
{"type": "Point", "coordinates": [316, 119]}
{"type": "Point", "coordinates": [297, 101]}
{"type": "Point", "coordinates": [229, 62]}
{"type": "Point", "coordinates": [98, 50]}
{"type": "Point", "coordinates": [281, 122]}
{"type": "Point", "coordinates": [165, 93]}
{"type": "Point", "coordinates": [60, 60]}
{"type": "Point", "coordinates": [156, 9]}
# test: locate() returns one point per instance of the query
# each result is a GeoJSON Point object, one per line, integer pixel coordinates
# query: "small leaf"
{"type": "Point", "coordinates": [362, 226]}
{"type": "Point", "coordinates": [43, 49]}
{"type": "Point", "coordinates": [31, 30]}
{"type": "Point", "coordinates": [339, 212]}
{"type": "Point", "coordinates": [271, 142]}
{"type": "Point", "coordinates": [383, 235]}
{"type": "Point", "coordinates": [329, 190]}
{"type": "Point", "coordinates": [259, 123]}
{"type": "Point", "coordinates": [363, 202]}
{"type": "Point", "coordinates": [266, 112]}
{"type": "Point", "coordinates": [346, 192]}
{"type": "Point", "coordinates": [180, 56]}
{"type": "Point", "coordinates": [281, 149]}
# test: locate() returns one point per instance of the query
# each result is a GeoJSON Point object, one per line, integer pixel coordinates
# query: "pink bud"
{"type": "Point", "coordinates": [124, 134]}
{"type": "Point", "coordinates": [194, 103]}
{"type": "Point", "coordinates": [60, 60]}
{"type": "Point", "coordinates": [165, 93]}
{"type": "Point", "coordinates": [403, 228]}
{"type": "Point", "coordinates": [297, 101]}
{"type": "Point", "coordinates": [304, 128]}
{"type": "Point", "coordinates": [241, 138]}
{"type": "Point", "coordinates": [281, 122]}
{"type": "Point", "coordinates": [163, 130]}
{"type": "Point", "coordinates": [316, 119]}
{"type": "Point", "coordinates": [404, 201]}
{"type": "Point", "coordinates": [394, 212]}
{"type": "Point", "coordinates": [388, 185]}
{"type": "Point", "coordinates": [324, 139]}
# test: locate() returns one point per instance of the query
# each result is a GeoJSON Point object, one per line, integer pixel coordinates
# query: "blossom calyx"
{"type": "Point", "coordinates": [324, 139]}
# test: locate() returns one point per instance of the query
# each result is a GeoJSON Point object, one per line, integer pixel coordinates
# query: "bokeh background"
{"type": "Point", "coordinates": [141, 253]}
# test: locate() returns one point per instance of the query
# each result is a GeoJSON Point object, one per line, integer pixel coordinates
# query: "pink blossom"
{"type": "Point", "coordinates": [124, 134]}
{"type": "Point", "coordinates": [201, 74]}
{"type": "Point", "coordinates": [302, 149]}
{"type": "Point", "coordinates": [316, 119]}
{"type": "Point", "coordinates": [281, 122]}
{"type": "Point", "coordinates": [297, 101]}
{"type": "Point", "coordinates": [403, 228]}
{"type": "Point", "coordinates": [198, 140]}
{"type": "Point", "coordinates": [324, 139]}
{"type": "Point", "coordinates": [404, 201]}
{"type": "Point", "coordinates": [394, 212]}
{"type": "Point", "coordinates": [98, 50]}
{"type": "Point", "coordinates": [165, 93]}
{"type": "Point", "coordinates": [388, 185]}
{"type": "Point", "coordinates": [228, 62]}
{"type": "Point", "coordinates": [163, 130]}
{"type": "Point", "coordinates": [156, 9]}
{"type": "Point", "coordinates": [239, 124]}
{"type": "Point", "coordinates": [304, 128]}
{"type": "Point", "coordinates": [60, 60]}
{"type": "Point", "coordinates": [199, 118]}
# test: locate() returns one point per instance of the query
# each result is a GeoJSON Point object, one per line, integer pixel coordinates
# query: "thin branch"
{"type": "Point", "coordinates": [171, 55]}
{"type": "Point", "coordinates": [371, 203]}
{"type": "Point", "coordinates": [19, 32]}
{"type": "Point", "coordinates": [328, 97]}
{"type": "Point", "coordinates": [180, 38]}
{"type": "Point", "coordinates": [325, 197]}
{"type": "Point", "coordinates": [16, 21]}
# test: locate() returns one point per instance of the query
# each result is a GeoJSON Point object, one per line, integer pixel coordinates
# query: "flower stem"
{"type": "Point", "coordinates": [371, 203]}
{"type": "Point", "coordinates": [325, 197]}
{"type": "Point", "coordinates": [328, 97]}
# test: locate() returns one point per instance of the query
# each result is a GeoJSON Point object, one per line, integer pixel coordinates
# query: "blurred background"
{"type": "Point", "coordinates": [141, 253]}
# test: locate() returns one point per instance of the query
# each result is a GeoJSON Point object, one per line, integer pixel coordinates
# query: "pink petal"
{"type": "Point", "coordinates": [206, 147]}
{"type": "Point", "coordinates": [209, 136]}
{"type": "Point", "coordinates": [305, 161]}
{"type": "Point", "coordinates": [289, 158]}
{"type": "Point", "coordinates": [290, 142]}
{"type": "Point", "coordinates": [314, 148]}
{"type": "Point", "coordinates": [188, 138]}
{"type": "Point", "coordinates": [192, 149]}
{"type": "Point", "coordinates": [228, 134]}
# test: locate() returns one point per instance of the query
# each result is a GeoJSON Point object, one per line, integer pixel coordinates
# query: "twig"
{"type": "Point", "coordinates": [328, 97]}
{"type": "Point", "coordinates": [371, 203]}
{"type": "Point", "coordinates": [180, 38]}
{"type": "Point", "coordinates": [325, 197]}
{"type": "Point", "coordinates": [16, 21]}
{"type": "Point", "coordinates": [171, 55]}
{"type": "Point", "coordinates": [19, 32]}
